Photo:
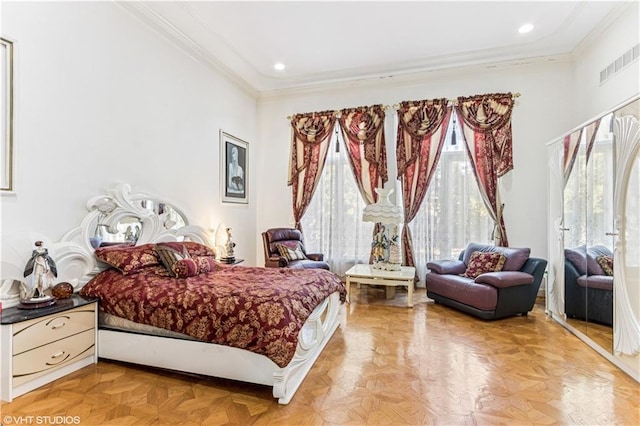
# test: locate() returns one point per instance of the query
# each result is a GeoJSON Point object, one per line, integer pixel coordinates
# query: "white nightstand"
{"type": "Point", "coordinates": [38, 346]}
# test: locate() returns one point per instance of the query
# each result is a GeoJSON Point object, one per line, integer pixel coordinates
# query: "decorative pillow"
{"type": "Point", "coordinates": [483, 262]}
{"type": "Point", "coordinates": [593, 252]}
{"type": "Point", "coordinates": [194, 249]}
{"type": "Point", "coordinates": [193, 266]}
{"type": "Point", "coordinates": [606, 263]}
{"type": "Point", "coordinates": [292, 252]}
{"type": "Point", "coordinates": [516, 257]}
{"type": "Point", "coordinates": [169, 256]}
{"type": "Point", "coordinates": [128, 259]}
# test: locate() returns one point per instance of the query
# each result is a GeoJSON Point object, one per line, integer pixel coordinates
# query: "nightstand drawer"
{"type": "Point", "coordinates": [38, 332]}
{"type": "Point", "coordinates": [41, 360]}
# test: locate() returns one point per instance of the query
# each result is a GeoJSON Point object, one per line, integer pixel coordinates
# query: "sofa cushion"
{"type": "Point", "coordinates": [606, 263]}
{"type": "Point", "coordinates": [578, 257]}
{"type": "Point", "coordinates": [463, 290]}
{"type": "Point", "coordinates": [505, 278]}
{"type": "Point", "coordinates": [456, 267]}
{"type": "Point", "coordinates": [483, 262]}
{"type": "Point", "coordinates": [603, 282]}
{"type": "Point", "coordinates": [516, 257]}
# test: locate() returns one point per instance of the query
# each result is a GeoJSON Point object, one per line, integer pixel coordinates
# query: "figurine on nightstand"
{"type": "Point", "coordinates": [228, 248]}
{"type": "Point", "coordinates": [43, 270]}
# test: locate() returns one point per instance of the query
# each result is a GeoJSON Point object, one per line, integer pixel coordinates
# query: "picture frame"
{"type": "Point", "coordinates": [234, 166]}
{"type": "Point", "coordinates": [7, 183]}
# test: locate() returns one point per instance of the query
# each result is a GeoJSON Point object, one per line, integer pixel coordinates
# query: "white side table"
{"type": "Point", "coordinates": [365, 274]}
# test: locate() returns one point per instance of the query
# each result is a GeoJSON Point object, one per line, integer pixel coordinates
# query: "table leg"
{"type": "Point", "coordinates": [390, 292]}
{"type": "Point", "coordinates": [348, 285]}
{"type": "Point", "coordinates": [410, 293]}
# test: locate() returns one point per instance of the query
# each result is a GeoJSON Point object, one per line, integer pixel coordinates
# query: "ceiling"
{"type": "Point", "coordinates": [324, 42]}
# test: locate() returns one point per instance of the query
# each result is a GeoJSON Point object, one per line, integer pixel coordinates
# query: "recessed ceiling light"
{"type": "Point", "coordinates": [525, 28]}
{"type": "Point", "coordinates": [279, 66]}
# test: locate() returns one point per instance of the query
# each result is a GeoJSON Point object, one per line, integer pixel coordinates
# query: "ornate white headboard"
{"type": "Point", "coordinates": [73, 254]}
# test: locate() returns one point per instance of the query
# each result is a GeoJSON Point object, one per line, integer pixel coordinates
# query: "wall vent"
{"type": "Point", "coordinates": [620, 63]}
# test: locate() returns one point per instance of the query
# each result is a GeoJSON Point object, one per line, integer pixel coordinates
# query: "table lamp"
{"type": "Point", "coordinates": [385, 244]}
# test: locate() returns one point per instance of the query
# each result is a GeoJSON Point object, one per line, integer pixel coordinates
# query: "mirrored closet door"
{"type": "Point", "coordinates": [594, 233]}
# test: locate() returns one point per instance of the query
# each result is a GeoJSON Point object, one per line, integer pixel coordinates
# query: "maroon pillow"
{"type": "Point", "coordinates": [483, 262]}
{"type": "Point", "coordinates": [515, 257]}
{"type": "Point", "coordinates": [194, 249]}
{"type": "Point", "coordinates": [128, 259]}
{"type": "Point", "coordinates": [193, 266]}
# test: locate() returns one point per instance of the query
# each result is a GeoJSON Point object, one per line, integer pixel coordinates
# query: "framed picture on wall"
{"type": "Point", "coordinates": [6, 124]}
{"type": "Point", "coordinates": [234, 156]}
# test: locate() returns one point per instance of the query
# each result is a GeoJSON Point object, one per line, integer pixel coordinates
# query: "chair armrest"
{"type": "Point", "coordinates": [315, 256]}
{"type": "Point", "coordinates": [442, 267]}
{"type": "Point", "coordinates": [276, 262]}
{"type": "Point", "coordinates": [505, 279]}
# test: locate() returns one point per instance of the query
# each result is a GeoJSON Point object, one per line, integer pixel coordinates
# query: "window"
{"type": "Point", "coordinates": [452, 213]}
{"type": "Point", "coordinates": [333, 223]}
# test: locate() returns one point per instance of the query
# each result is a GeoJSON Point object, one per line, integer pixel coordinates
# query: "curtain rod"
{"type": "Point", "coordinates": [395, 106]}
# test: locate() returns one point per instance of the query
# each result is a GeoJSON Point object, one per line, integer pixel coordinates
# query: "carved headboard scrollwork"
{"type": "Point", "coordinates": [148, 219]}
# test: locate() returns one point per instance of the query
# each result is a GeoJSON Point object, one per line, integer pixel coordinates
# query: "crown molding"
{"type": "Point", "coordinates": [407, 78]}
{"type": "Point", "coordinates": [185, 43]}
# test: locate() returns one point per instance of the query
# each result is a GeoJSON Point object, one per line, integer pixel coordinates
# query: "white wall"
{"type": "Point", "coordinates": [600, 49]}
{"type": "Point", "coordinates": [103, 99]}
{"type": "Point", "coordinates": [557, 95]}
{"type": "Point", "coordinates": [539, 115]}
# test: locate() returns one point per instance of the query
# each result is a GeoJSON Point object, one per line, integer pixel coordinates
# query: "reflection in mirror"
{"type": "Point", "coordinates": [600, 234]}
{"type": "Point", "coordinates": [588, 239]}
{"type": "Point", "coordinates": [126, 231]}
{"type": "Point", "coordinates": [574, 220]}
{"type": "Point", "coordinates": [169, 217]}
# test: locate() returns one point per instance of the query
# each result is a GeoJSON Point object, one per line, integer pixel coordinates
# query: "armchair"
{"type": "Point", "coordinates": [510, 289]}
{"type": "Point", "coordinates": [274, 239]}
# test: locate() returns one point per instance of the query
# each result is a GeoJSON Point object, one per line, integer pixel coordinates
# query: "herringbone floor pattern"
{"type": "Point", "coordinates": [386, 364]}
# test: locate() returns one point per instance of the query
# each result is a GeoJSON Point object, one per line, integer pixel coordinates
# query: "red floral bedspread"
{"type": "Point", "coordinates": [258, 309]}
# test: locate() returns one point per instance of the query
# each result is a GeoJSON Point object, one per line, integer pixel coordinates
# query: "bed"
{"type": "Point", "coordinates": [257, 325]}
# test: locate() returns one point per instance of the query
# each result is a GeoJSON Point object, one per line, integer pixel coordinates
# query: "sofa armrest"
{"type": "Point", "coordinates": [455, 267]}
{"type": "Point", "coordinates": [504, 279]}
{"type": "Point", "coordinates": [315, 256]}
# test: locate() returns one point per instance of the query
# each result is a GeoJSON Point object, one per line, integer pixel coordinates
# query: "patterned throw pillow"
{"type": "Point", "coordinates": [291, 252]}
{"type": "Point", "coordinates": [169, 256]}
{"type": "Point", "coordinates": [127, 258]}
{"type": "Point", "coordinates": [194, 249]}
{"type": "Point", "coordinates": [193, 266]}
{"type": "Point", "coordinates": [606, 263]}
{"type": "Point", "coordinates": [483, 262]}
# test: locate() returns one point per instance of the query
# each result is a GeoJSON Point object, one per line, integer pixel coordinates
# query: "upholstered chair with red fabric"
{"type": "Point", "coordinates": [284, 248]}
{"type": "Point", "coordinates": [489, 282]}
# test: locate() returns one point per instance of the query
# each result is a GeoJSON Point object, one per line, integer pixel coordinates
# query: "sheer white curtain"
{"type": "Point", "coordinates": [452, 213]}
{"type": "Point", "coordinates": [333, 222]}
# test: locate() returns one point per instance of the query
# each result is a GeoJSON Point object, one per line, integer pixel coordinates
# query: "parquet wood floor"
{"type": "Point", "coordinates": [386, 364]}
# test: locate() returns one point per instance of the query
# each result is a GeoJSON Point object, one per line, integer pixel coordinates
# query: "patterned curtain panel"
{"type": "Point", "coordinates": [591, 130]}
{"type": "Point", "coordinates": [422, 127]}
{"type": "Point", "coordinates": [486, 123]}
{"type": "Point", "coordinates": [311, 138]}
{"type": "Point", "coordinates": [363, 132]}
{"type": "Point", "coordinates": [571, 145]}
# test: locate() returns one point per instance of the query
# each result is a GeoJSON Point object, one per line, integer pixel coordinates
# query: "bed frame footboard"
{"type": "Point", "coordinates": [224, 361]}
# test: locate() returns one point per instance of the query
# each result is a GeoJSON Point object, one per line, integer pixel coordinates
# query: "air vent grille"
{"type": "Point", "coordinates": [620, 63]}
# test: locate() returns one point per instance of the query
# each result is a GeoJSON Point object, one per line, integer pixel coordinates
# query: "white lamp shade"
{"type": "Point", "coordinates": [383, 211]}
